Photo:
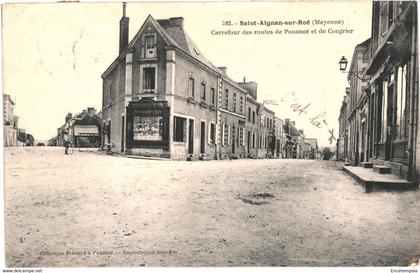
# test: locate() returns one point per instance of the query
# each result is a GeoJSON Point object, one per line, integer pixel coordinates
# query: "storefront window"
{"type": "Point", "coordinates": [147, 128]}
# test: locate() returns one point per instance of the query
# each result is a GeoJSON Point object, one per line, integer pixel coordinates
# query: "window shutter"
{"type": "Point", "coordinates": [223, 135]}
{"type": "Point", "coordinates": [209, 134]}
{"type": "Point", "coordinates": [228, 135]}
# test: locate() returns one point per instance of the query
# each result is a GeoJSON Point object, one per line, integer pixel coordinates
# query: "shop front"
{"type": "Point", "coordinates": [147, 128]}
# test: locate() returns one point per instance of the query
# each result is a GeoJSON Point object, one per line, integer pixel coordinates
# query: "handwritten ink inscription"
{"type": "Point", "coordinates": [316, 120]}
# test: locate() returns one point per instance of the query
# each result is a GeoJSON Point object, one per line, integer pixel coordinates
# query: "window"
{"type": "Point", "coordinates": [241, 105]}
{"type": "Point", "coordinates": [383, 26]}
{"type": "Point", "coordinates": [150, 41]}
{"type": "Point", "coordinates": [150, 44]}
{"type": "Point", "coordinates": [253, 117]}
{"type": "Point", "coordinates": [213, 96]}
{"type": "Point", "coordinates": [149, 74]}
{"type": "Point", "coordinates": [212, 136]}
{"type": "Point", "coordinates": [401, 115]}
{"type": "Point", "coordinates": [226, 99]}
{"type": "Point", "coordinates": [203, 92]}
{"type": "Point", "coordinates": [390, 13]}
{"type": "Point", "coordinates": [234, 102]}
{"type": "Point", "coordinates": [225, 134]}
{"type": "Point", "coordinates": [147, 128]}
{"type": "Point", "coordinates": [179, 129]}
{"type": "Point", "coordinates": [249, 114]}
{"type": "Point", "coordinates": [191, 87]}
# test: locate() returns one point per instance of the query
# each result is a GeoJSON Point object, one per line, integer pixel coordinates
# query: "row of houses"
{"type": "Point", "coordinates": [12, 134]}
{"type": "Point", "coordinates": [84, 129]}
{"type": "Point", "coordinates": [297, 145]}
{"type": "Point", "coordinates": [380, 110]}
{"type": "Point", "coordinates": [163, 98]}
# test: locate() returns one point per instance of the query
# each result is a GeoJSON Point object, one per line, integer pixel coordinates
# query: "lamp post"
{"type": "Point", "coordinates": [343, 66]}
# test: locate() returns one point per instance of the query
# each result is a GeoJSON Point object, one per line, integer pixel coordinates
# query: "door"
{"type": "Point", "coordinates": [109, 131]}
{"type": "Point", "coordinates": [389, 121]}
{"type": "Point", "coordinates": [248, 142]}
{"type": "Point", "coordinates": [122, 133]}
{"type": "Point", "coordinates": [363, 152]}
{"type": "Point", "coordinates": [191, 137]}
{"type": "Point", "coordinates": [356, 158]}
{"type": "Point", "coordinates": [203, 138]}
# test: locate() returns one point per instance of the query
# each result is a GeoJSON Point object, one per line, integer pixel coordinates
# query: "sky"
{"type": "Point", "coordinates": [54, 54]}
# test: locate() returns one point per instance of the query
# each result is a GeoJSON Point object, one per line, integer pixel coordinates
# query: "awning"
{"type": "Point", "coordinates": [86, 130]}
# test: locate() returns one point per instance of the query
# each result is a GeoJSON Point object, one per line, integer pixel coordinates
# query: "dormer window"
{"type": "Point", "coordinates": [150, 45]}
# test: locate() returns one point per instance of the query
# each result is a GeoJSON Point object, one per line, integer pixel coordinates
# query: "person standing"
{"type": "Point", "coordinates": [67, 141]}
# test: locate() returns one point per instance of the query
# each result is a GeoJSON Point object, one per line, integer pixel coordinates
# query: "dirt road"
{"type": "Point", "coordinates": [89, 209]}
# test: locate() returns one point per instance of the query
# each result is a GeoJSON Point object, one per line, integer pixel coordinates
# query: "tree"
{"type": "Point", "coordinates": [326, 153]}
{"type": "Point", "coordinates": [52, 141]}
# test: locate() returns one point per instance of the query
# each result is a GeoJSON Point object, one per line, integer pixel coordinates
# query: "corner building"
{"type": "Point", "coordinates": [163, 98]}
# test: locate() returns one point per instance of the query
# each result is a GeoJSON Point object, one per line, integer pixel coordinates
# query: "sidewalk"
{"type": "Point", "coordinates": [370, 178]}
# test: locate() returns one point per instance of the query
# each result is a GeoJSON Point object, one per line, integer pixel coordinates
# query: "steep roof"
{"type": "Point", "coordinates": [183, 41]}
{"type": "Point", "coordinates": [293, 131]}
{"type": "Point", "coordinates": [174, 35]}
{"type": "Point", "coordinates": [313, 142]}
{"type": "Point", "coordinates": [7, 97]}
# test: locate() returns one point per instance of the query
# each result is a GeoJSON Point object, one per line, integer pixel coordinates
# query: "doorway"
{"type": "Point", "coordinates": [248, 142]}
{"type": "Point", "coordinates": [191, 136]}
{"type": "Point", "coordinates": [122, 133]}
{"type": "Point", "coordinates": [389, 121]}
{"type": "Point", "coordinates": [363, 152]}
{"type": "Point", "coordinates": [203, 137]}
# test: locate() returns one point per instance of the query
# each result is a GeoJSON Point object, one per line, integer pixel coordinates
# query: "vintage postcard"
{"type": "Point", "coordinates": [211, 134]}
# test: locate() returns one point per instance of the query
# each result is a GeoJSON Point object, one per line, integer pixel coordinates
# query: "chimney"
{"type": "Point", "coordinates": [223, 69]}
{"type": "Point", "coordinates": [176, 22]}
{"type": "Point", "coordinates": [172, 22]}
{"type": "Point", "coordinates": [69, 116]}
{"type": "Point", "coordinates": [123, 30]}
{"type": "Point", "coordinates": [293, 123]}
{"type": "Point", "coordinates": [251, 87]}
{"type": "Point", "coordinates": [91, 111]}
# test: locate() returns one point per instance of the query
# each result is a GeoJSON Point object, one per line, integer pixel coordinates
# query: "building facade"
{"type": "Point", "coordinates": [280, 137]}
{"type": "Point", "coordinates": [163, 98]}
{"type": "Point", "coordinates": [294, 138]}
{"type": "Point", "coordinates": [357, 108]}
{"type": "Point", "coordinates": [342, 140]}
{"type": "Point", "coordinates": [84, 129]}
{"type": "Point", "coordinates": [387, 130]}
{"type": "Point", "coordinates": [10, 122]}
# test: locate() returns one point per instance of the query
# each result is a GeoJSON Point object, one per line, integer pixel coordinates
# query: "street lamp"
{"type": "Point", "coordinates": [343, 66]}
